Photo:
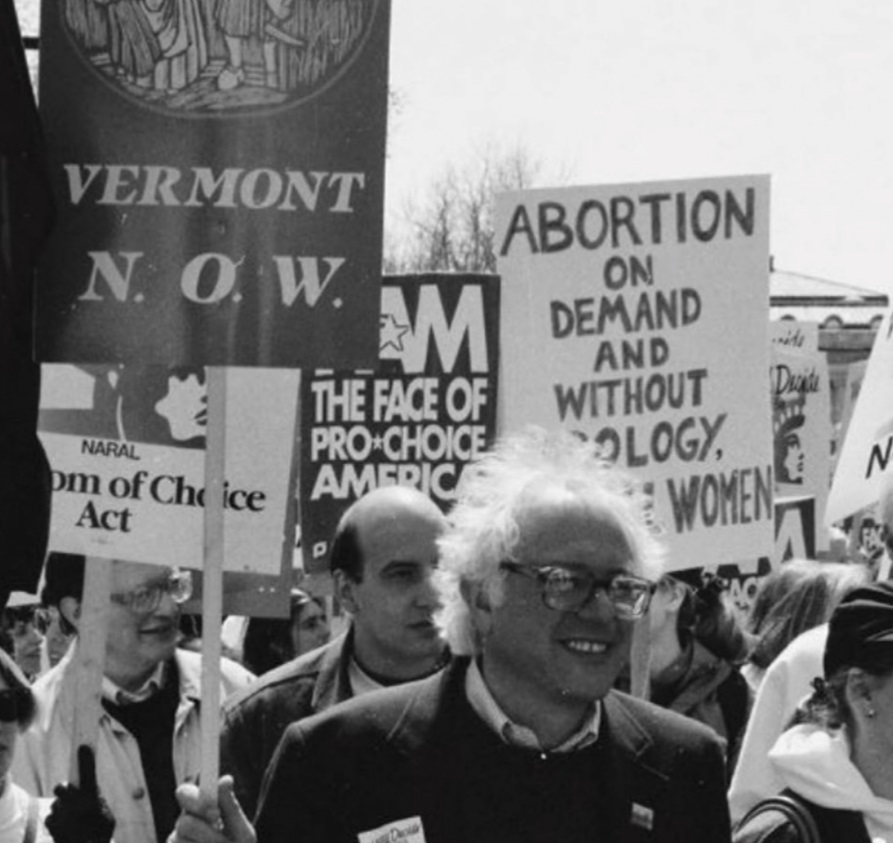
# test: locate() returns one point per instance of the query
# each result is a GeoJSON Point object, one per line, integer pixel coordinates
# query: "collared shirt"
{"type": "Point", "coordinates": [116, 694]}
{"type": "Point", "coordinates": [486, 707]}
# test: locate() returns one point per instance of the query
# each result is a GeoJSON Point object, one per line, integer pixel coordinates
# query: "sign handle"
{"type": "Point", "coordinates": [212, 580]}
{"type": "Point", "coordinates": [640, 660]}
{"type": "Point", "coordinates": [89, 658]}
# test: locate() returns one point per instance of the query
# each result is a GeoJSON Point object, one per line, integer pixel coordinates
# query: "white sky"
{"type": "Point", "coordinates": [637, 90]}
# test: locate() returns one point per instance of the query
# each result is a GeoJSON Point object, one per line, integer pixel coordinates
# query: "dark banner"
{"type": "Point", "coordinates": [25, 214]}
{"type": "Point", "coordinates": [418, 420]}
{"type": "Point", "coordinates": [218, 167]}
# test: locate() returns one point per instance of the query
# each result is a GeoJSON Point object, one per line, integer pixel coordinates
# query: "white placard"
{"type": "Point", "coordinates": [638, 315]}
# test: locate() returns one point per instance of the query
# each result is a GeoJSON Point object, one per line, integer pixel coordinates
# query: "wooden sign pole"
{"type": "Point", "coordinates": [640, 659]}
{"type": "Point", "coordinates": [212, 579]}
{"type": "Point", "coordinates": [89, 658]}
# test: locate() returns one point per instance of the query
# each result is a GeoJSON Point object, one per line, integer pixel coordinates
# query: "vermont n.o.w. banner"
{"type": "Point", "coordinates": [218, 170]}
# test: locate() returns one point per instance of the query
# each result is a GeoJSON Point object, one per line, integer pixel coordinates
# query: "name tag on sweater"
{"type": "Point", "coordinates": [400, 831]}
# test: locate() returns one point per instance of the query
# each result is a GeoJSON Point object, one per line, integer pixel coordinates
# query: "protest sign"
{"type": "Point", "coordinates": [852, 385]}
{"type": "Point", "coordinates": [218, 173]}
{"type": "Point", "coordinates": [639, 319]}
{"type": "Point", "coordinates": [126, 446]}
{"type": "Point", "coordinates": [868, 444]}
{"type": "Point", "coordinates": [427, 412]}
{"type": "Point", "coordinates": [801, 424]}
{"type": "Point", "coordinates": [855, 377]}
{"type": "Point", "coordinates": [795, 336]}
{"type": "Point", "coordinates": [795, 519]}
{"type": "Point", "coordinates": [219, 194]}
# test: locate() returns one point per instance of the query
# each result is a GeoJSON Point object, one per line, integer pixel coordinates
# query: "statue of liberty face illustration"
{"type": "Point", "coordinates": [794, 458]}
{"type": "Point", "coordinates": [185, 406]}
{"type": "Point", "coordinates": [790, 455]}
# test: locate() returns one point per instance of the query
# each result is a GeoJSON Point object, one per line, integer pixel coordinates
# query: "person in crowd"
{"type": "Point", "coordinates": [546, 566]}
{"type": "Point", "coordinates": [270, 642]}
{"type": "Point", "coordinates": [149, 730]}
{"type": "Point", "coordinates": [772, 588]}
{"type": "Point", "coordinates": [799, 595]}
{"type": "Point", "coordinates": [696, 647]}
{"type": "Point", "coordinates": [384, 553]}
{"type": "Point", "coordinates": [56, 640]}
{"type": "Point", "coordinates": [785, 683]}
{"type": "Point", "coordinates": [27, 624]}
{"type": "Point", "coordinates": [191, 633]}
{"type": "Point", "coordinates": [77, 815]}
{"type": "Point", "coordinates": [836, 765]}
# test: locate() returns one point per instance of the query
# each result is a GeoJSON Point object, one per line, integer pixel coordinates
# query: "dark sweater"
{"type": "Point", "coordinates": [420, 751]}
{"type": "Point", "coordinates": [151, 722]}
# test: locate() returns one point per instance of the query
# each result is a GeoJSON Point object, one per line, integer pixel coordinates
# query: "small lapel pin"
{"type": "Point", "coordinates": [642, 817]}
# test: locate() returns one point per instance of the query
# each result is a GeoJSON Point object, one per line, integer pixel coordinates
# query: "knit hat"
{"type": "Point", "coordinates": [860, 633]}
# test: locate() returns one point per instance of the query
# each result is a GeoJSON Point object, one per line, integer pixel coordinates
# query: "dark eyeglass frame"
{"type": "Point", "coordinates": [552, 577]}
{"type": "Point", "coordinates": [9, 705]}
{"type": "Point", "coordinates": [147, 598]}
{"type": "Point", "coordinates": [21, 618]}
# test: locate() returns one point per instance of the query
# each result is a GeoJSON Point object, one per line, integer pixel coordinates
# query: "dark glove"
{"type": "Point", "coordinates": [78, 813]}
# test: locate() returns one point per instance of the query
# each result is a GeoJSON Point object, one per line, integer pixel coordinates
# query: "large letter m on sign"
{"type": "Point", "coordinates": [431, 326]}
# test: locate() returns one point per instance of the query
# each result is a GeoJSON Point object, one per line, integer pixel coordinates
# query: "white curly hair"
{"type": "Point", "coordinates": [483, 524]}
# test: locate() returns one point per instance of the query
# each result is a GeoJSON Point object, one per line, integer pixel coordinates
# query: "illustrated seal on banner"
{"type": "Point", "coordinates": [156, 405]}
{"type": "Point", "coordinates": [219, 56]}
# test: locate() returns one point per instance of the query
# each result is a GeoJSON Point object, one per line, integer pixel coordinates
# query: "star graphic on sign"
{"type": "Point", "coordinates": [391, 332]}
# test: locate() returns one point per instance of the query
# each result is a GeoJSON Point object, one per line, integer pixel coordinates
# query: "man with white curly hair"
{"type": "Point", "coordinates": [547, 564]}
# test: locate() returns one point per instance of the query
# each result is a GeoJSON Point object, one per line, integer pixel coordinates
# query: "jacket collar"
{"type": "Point", "coordinates": [62, 688]}
{"type": "Point", "coordinates": [428, 699]}
{"type": "Point", "coordinates": [627, 733]}
{"type": "Point", "coordinates": [333, 680]}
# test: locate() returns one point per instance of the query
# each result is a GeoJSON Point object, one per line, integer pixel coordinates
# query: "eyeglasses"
{"type": "Point", "coordinates": [569, 590]}
{"type": "Point", "coordinates": [23, 617]}
{"type": "Point", "coordinates": [9, 706]}
{"type": "Point", "coordinates": [147, 598]}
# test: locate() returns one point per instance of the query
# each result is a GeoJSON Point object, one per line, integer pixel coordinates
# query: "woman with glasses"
{"type": "Point", "coordinates": [27, 626]}
{"type": "Point", "coordinates": [696, 645]}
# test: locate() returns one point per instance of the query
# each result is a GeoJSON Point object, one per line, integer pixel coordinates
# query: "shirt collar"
{"type": "Point", "coordinates": [116, 694]}
{"type": "Point", "coordinates": [486, 707]}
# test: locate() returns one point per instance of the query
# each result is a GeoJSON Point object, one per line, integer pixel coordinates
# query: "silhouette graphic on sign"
{"type": "Point", "coordinates": [156, 405]}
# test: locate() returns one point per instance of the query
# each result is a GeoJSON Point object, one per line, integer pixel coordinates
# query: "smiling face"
{"type": "Point", "coordinates": [545, 665]}
{"type": "Point", "coordinates": [138, 642]}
